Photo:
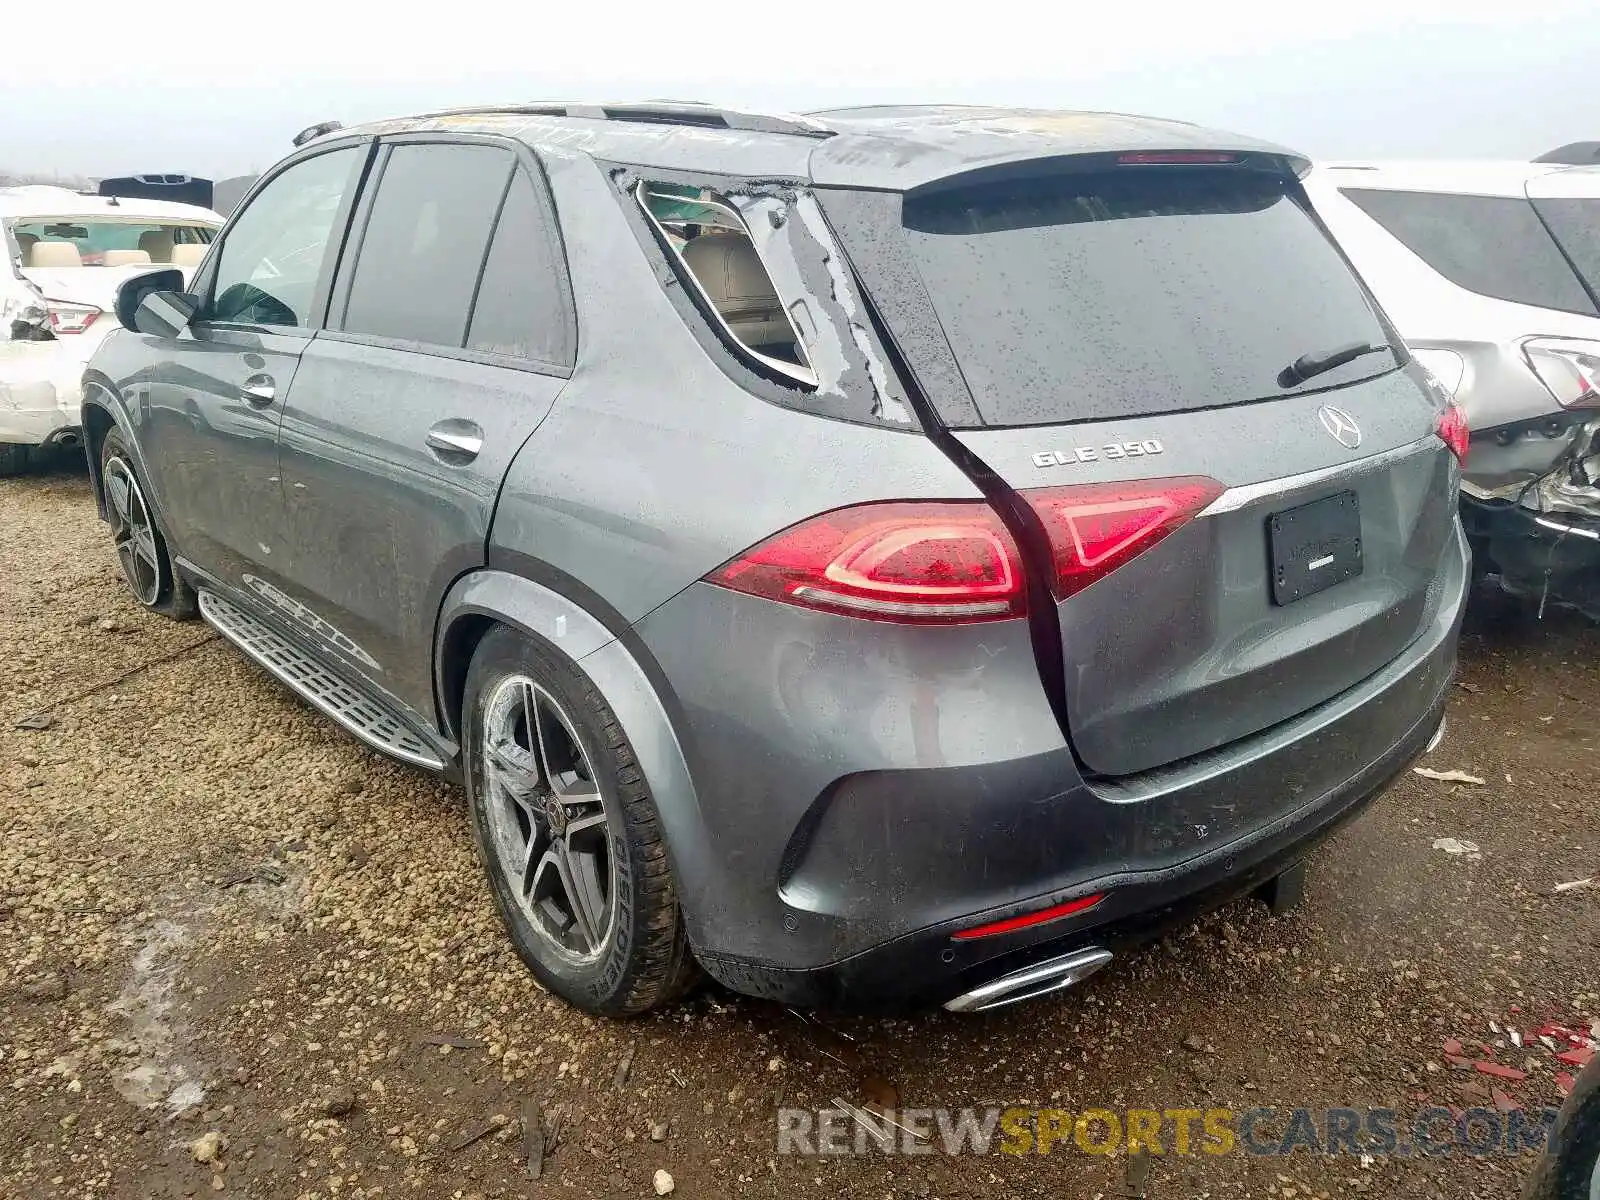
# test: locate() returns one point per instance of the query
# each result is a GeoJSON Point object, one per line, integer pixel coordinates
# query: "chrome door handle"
{"type": "Point", "coordinates": [259, 391]}
{"type": "Point", "coordinates": [455, 444]}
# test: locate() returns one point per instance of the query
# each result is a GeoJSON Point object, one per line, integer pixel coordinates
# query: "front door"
{"type": "Point", "coordinates": [211, 409]}
{"type": "Point", "coordinates": [448, 338]}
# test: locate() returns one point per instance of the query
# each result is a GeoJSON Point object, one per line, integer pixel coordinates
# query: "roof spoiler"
{"type": "Point", "coordinates": [180, 189]}
{"type": "Point", "coordinates": [1573, 154]}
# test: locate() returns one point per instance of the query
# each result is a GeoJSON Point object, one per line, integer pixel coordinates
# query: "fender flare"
{"type": "Point", "coordinates": [615, 664]}
{"type": "Point", "coordinates": [101, 394]}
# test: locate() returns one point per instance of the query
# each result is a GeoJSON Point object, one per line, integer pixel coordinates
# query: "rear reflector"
{"type": "Point", "coordinates": [1054, 913]}
{"type": "Point", "coordinates": [1454, 432]}
{"type": "Point", "coordinates": [936, 562]}
{"type": "Point", "coordinates": [1170, 158]}
{"type": "Point", "coordinates": [1095, 528]}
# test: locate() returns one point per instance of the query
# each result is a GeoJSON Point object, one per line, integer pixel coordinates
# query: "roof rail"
{"type": "Point", "coordinates": [664, 112]}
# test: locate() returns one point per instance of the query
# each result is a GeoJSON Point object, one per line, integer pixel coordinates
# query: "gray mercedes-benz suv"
{"type": "Point", "coordinates": [885, 556]}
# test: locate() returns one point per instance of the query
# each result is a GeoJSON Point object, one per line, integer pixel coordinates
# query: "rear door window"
{"type": "Point", "coordinates": [425, 240]}
{"type": "Point", "coordinates": [1142, 290]}
{"type": "Point", "coordinates": [1495, 246]}
{"type": "Point", "coordinates": [521, 309]}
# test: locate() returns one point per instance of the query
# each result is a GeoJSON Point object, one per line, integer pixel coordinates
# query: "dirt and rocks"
{"type": "Point", "coordinates": [243, 956]}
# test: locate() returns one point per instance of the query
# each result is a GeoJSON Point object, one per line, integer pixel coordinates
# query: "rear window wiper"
{"type": "Point", "coordinates": [1308, 366]}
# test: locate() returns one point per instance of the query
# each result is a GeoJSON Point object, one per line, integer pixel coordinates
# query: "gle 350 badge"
{"type": "Point", "coordinates": [1108, 452]}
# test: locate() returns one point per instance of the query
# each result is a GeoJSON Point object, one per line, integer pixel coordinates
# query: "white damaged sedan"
{"type": "Point", "coordinates": [66, 254]}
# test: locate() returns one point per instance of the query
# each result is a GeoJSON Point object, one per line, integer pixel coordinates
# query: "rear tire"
{"type": "Point", "coordinates": [1570, 1168]}
{"type": "Point", "coordinates": [13, 460]}
{"type": "Point", "coordinates": [141, 547]}
{"type": "Point", "coordinates": [530, 718]}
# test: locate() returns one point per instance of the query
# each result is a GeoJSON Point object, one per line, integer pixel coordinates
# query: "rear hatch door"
{"type": "Point", "coordinates": [1235, 541]}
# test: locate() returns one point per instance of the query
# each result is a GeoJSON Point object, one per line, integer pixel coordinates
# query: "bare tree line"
{"type": "Point", "coordinates": [77, 183]}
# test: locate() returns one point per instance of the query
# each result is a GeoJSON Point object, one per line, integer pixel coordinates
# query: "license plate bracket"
{"type": "Point", "coordinates": [1314, 546]}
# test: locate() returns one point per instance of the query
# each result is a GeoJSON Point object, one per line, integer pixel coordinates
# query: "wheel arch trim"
{"type": "Point", "coordinates": [614, 667]}
{"type": "Point", "coordinates": [101, 395]}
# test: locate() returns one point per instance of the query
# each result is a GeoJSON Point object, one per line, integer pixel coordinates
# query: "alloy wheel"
{"type": "Point", "coordinates": [133, 533]}
{"type": "Point", "coordinates": [548, 820]}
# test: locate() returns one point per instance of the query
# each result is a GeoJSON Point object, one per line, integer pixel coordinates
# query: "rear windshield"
{"type": "Point", "coordinates": [1493, 245]}
{"type": "Point", "coordinates": [1139, 291]}
{"type": "Point", "coordinates": [1575, 223]}
{"type": "Point", "coordinates": [129, 243]}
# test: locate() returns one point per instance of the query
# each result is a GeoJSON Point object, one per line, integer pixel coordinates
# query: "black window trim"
{"type": "Point", "coordinates": [520, 158]}
{"type": "Point", "coordinates": [205, 278]}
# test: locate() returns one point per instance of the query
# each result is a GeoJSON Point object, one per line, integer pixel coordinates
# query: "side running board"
{"type": "Point", "coordinates": [330, 695]}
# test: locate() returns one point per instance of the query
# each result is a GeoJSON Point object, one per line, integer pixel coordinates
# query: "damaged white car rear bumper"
{"type": "Point", "coordinates": [41, 393]}
{"type": "Point", "coordinates": [1541, 535]}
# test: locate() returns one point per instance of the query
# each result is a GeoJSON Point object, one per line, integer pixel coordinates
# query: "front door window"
{"type": "Point", "coordinates": [273, 255]}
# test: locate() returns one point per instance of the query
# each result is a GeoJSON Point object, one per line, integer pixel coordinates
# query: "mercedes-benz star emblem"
{"type": "Point", "coordinates": [1341, 426]}
{"type": "Point", "coordinates": [555, 814]}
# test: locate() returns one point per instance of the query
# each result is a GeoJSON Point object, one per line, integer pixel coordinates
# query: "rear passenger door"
{"type": "Point", "coordinates": [450, 332]}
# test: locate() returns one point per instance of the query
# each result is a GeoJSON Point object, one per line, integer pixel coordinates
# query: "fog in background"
{"type": "Point", "coordinates": [220, 90]}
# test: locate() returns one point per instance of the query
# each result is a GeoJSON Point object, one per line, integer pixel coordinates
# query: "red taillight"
{"type": "Point", "coordinates": [937, 562]}
{"type": "Point", "coordinates": [1167, 158]}
{"type": "Point", "coordinates": [1095, 528]}
{"type": "Point", "coordinates": [1054, 913]}
{"type": "Point", "coordinates": [1568, 367]}
{"type": "Point", "coordinates": [1454, 432]}
{"type": "Point", "coordinates": [70, 318]}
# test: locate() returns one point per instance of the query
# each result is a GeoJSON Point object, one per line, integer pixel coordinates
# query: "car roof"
{"type": "Point", "coordinates": [43, 200]}
{"type": "Point", "coordinates": [1478, 177]}
{"type": "Point", "coordinates": [887, 147]}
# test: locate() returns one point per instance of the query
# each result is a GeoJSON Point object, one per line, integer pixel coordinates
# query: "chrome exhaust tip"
{"type": "Point", "coordinates": [1052, 975]}
{"type": "Point", "coordinates": [1438, 736]}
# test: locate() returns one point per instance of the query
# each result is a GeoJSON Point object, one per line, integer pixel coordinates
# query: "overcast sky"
{"type": "Point", "coordinates": [220, 89]}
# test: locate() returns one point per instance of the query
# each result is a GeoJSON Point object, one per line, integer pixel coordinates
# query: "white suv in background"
{"type": "Point", "coordinates": [1491, 271]}
{"type": "Point", "coordinates": [65, 255]}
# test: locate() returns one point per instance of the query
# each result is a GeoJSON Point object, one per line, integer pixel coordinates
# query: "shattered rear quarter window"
{"type": "Point", "coordinates": [765, 264]}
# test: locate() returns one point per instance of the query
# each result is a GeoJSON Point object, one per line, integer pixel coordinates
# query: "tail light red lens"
{"type": "Point", "coordinates": [71, 318]}
{"type": "Point", "coordinates": [921, 562]}
{"type": "Point", "coordinates": [1454, 432]}
{"type": "Point", "coordinates": [1095, 528]}
{"type": "Point", "coordinates": [1568, 367]}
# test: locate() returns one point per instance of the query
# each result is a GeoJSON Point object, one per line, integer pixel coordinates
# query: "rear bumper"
{"type": "Point", "coordinates": [917, 856]}
{"type": "Point", "coordinates": [1554, 557]}
{"type": "Point", "coordinates": [40, 392]}
{"type": "Point", "coordinates": [930, 966]}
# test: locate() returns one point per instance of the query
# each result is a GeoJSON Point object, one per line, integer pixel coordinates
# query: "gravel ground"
{"type": "Point", "coordinates": [248, 957]}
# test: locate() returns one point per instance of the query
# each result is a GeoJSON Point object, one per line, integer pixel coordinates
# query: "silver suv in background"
{"type": "Point", "coordinates": [1491, 271]}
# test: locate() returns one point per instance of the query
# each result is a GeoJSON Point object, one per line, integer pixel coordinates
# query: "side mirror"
{"type": "Point", "coordinates": [166, 319]}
